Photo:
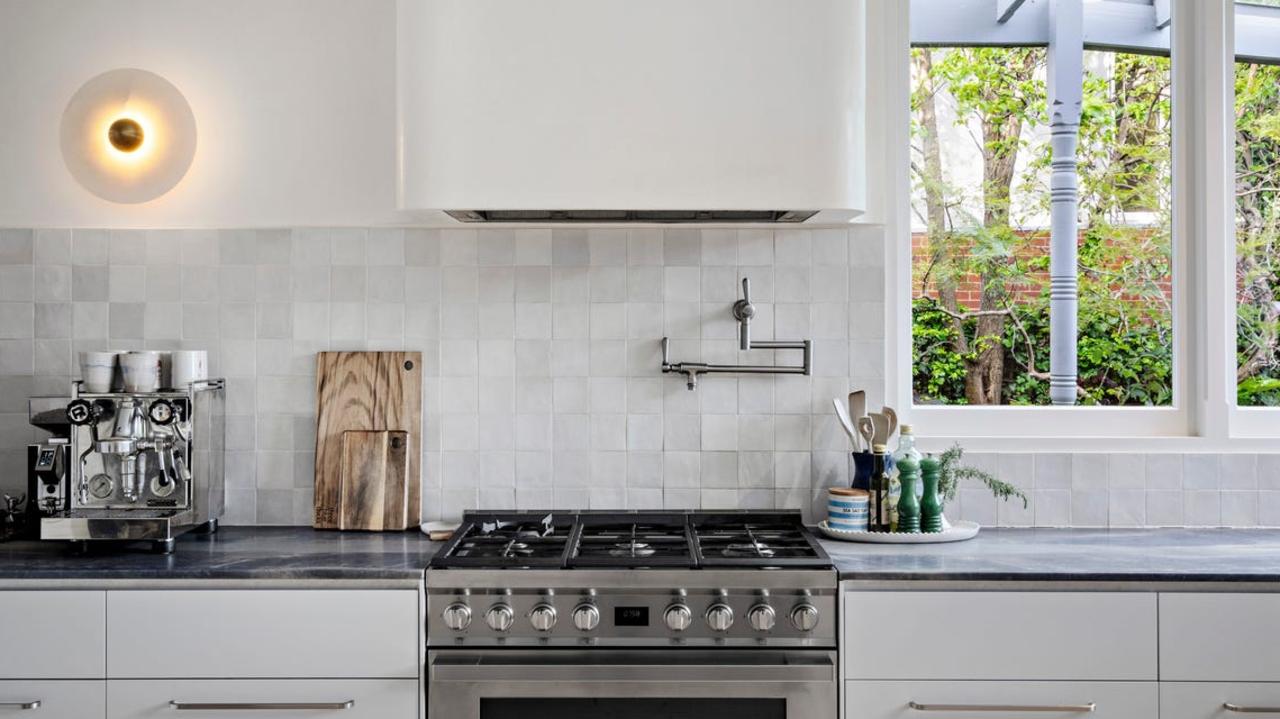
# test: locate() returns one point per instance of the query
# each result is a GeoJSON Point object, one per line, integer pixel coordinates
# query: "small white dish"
{"type": "Point", "coordinates": [957, 532]}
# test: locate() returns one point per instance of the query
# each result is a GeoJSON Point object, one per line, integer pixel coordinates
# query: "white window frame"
{"type": "Point", "coordinates": [1204, 415]}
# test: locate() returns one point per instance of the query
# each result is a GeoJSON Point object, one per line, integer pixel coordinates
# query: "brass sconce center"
{"type": "Point", "coordinates": [125, 135]}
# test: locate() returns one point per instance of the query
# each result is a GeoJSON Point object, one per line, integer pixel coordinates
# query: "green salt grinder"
{"type": "Point", "coordinates": [930, 503]}
{"type": "Point", "coordinates": [908, 503]}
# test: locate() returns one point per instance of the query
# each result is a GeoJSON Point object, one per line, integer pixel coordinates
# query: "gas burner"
{"type": "Point", "coordinates": [753, 549]}
{"type": "Point", "coordinates": [632, 549]}
{"type": "Point", "coordinates": [632, 540]}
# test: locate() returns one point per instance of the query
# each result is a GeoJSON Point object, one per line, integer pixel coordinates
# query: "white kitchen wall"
{"type": "Point", "coordinates": [541, 348]}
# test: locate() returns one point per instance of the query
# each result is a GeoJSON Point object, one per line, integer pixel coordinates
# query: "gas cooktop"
{"type": "Point", "coordinates": [627, 540]}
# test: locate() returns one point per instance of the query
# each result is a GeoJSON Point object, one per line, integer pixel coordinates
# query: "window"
{"type": "Point", "coordinates": [983, 210]}
{"type": "Point", "coordinates": [1257, 205]}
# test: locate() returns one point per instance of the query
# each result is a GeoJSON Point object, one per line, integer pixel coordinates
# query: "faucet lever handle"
{"type": "Point", "coordinates": [746, 290]}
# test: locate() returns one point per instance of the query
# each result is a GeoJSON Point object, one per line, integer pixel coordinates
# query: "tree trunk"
{"type": "Point", "coordinates": [1000, 137]}
{"type": "Point", "coordinates": [935, 203]}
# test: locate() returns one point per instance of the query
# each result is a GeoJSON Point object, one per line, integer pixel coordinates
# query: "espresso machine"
{"type": "Point", "coordinates": [142, 466]}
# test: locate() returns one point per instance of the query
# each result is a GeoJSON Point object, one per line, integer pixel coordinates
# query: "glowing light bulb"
{"type": "Point", "coordinates": [125, 134]}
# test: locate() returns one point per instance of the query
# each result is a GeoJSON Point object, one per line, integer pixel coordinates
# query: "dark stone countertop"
{"type": "Point", "coordinates": [1129, 556]}
{"type": "Point", "coordinates": [234, 553]}
{"type": "Point", "coordinates": [1115, 558]}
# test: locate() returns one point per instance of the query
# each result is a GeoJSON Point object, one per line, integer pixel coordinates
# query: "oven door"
{"type": "Point", "coordinates": [632, 684]}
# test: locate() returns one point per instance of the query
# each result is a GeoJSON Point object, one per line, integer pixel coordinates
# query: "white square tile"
{"type": "Point", "coordinates": [1164, 471]}
{"type": "Point", "coordinates": [1239, 508]}
{"type": "Point", "coordinates": [1238, 471]}
{"type": "Point", "coordinates": [1200, 471]}
{"type": "Point", "coordinates": [644, 246]}
{"type": "Point", "coordinates": [644, 432]}
{"type": "Point", "coordinates": [495, 247]}
{"type": "Point", "coordinates": [533, 247]}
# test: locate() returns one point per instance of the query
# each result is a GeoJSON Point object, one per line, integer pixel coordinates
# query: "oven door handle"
{"type": "Point", "coordinates": [444, 670]}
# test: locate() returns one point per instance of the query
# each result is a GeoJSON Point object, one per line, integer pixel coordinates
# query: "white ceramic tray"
{"type": "Point", "coordinates": [957, 532]}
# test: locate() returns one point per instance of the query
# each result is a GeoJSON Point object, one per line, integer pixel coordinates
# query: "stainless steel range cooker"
{"type": "Point", "coordinates": [631, 614]}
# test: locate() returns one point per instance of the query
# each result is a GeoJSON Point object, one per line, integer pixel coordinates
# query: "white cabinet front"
{"type": "Point", "coordinates": [1000, 635]}
{"type": "Point", "coordinates": [273, 699]}
{"type": "Point", "coordinates": [53, 635]}
{"type": "Point", "coordinates": [53, 699]}
{"type": "Point", "coordinates": [244, 634]}
{"type": "Point", "coordinates": [1217, 700]}
{"type": "Point", "coordinates": [1001, 700]}
{"type": "Point", "coordinates": [1220, 637]}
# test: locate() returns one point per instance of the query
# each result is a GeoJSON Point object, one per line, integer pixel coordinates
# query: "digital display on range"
{"type": "Point", "coordinates": [631, 616]}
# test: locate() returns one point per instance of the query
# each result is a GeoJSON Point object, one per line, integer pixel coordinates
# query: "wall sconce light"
{"type": "Point", "coordinates": [128, 136]}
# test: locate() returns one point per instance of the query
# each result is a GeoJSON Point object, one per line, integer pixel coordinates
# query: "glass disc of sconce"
{"type": "Point", "coordinates": [128, 136]}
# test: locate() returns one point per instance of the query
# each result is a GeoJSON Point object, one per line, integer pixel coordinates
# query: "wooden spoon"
{"type": "Point", "coordinates": [867, 429]}
{"type": "Point", "coordinates": [892, 416]}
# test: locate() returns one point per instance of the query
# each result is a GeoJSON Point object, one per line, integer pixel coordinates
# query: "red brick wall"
{"type": "Point", "coordinates": [969, 291]}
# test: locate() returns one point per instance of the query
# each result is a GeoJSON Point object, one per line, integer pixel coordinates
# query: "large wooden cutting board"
{"type": "Point", "coordinates": [366, 391]}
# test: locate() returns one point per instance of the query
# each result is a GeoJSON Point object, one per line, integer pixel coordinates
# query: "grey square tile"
{"type": "Point", "coordinates": [17, 320]}
{"type": "Point", "coordinates": [52, 247]}
{"type": "Point", "coordinates": [53, 283]}
{"type": "Point", "coordinates": [199, 284]}
{"type": "Point", "coordinates": [1200, 471]}
{"type": "Point", "coordinates": [422, 248]}
{"type": "Point", "coordinates": [1238, 471]}
{"type": "Point", "coordinates": [128, 247]}
{"type": "Point", "coordinates": [164, 248]}
{"type": "Point", "coordinates": [127, 283]}
{"type": "Point", "coordinates": [237, 283]}
{"type": "Point", "coordinates": [17, 283]}
{"type": "Point", "coordinates": [17, 357]}
{"type": "Point", "coordinates": [164, 283]}
{"type": "Point", "coordinates": [126, 320]}
{"type": "Point", "coordinates": [681, 247]}
{"type": "Point", "coordinates": [53, 320]}
{"type": "Point", "coordinates": [90, 284]}
{"type": "Point", "coordinates": [89, 320]}
{"type": "Point", "coordinates": [275, 320]}
{"type": "Point", "coordinates": [17, 247]}
{"type": "Point", "coordinates": [89, 247]}
{"type": "Point", "coordinates": [273, 247]}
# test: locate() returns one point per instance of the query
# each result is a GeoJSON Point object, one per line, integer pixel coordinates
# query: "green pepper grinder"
{"type": "Point", "coordinates": [908, 503]}
{"type": "Point", "coordinates": [930, 504]}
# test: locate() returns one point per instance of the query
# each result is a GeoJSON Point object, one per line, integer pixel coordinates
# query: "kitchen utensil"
{"type": "Point", "coordinates": [892, 415]}
{"type": "Point", "coordinates": [97, 369]}
{"type": "Point", "coordinates": [957, 532]}
{"type": "Point", "coordinates": [857, 404]}
{"type": "Point", "coordinates": [187, 366]}
{"type": "Point", "coordinates": [141, 371]}
{"type": "Point", "coordinates": [880, 424]}
{"type": "Point", "coordinates": [866, 428]}
{"type": "Point", "coordinates": [374, 470]}
{"type": "Point", "coordinates": [847, 424]}
{"type": "Point", "coordinates": [366, 391]}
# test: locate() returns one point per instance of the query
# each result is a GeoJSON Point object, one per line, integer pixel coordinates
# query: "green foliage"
{"type": "Point", "coordinates": [952, 473]}
{"type": "Point", "coordinates": [1119, 363]}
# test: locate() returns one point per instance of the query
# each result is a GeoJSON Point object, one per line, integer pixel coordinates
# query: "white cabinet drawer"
{"type": "Point", "coordinates": [251, 699]}
{"type": "Point", "coordinates": [1209, 700]}
{"type": "Point", "coordinates": [1001, 700]}
{"type": "Point", "coordinates": [53, 635]}
{"type": "Point", "coordinates": [1000, 635]}
{"type": "Point", "coordinates": [1220, 637]}
{"type": "Point", "coordinates": [245, 634]}
{"type": "Point", "coordinates": [56, 699]}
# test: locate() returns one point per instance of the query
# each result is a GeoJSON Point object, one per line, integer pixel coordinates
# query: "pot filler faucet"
{"type": "Point", "coordinates": [743, 312]}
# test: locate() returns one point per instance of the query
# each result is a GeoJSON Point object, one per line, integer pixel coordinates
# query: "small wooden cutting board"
{"type": "Point", "coordinates": [374, 474]}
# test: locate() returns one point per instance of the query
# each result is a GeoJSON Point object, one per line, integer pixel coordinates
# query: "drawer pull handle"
{"type": "Point", "coordinates": [1250, 710]}
{"type": "Point", "coordinates": [20, 705]}
{"type": "Point", "coordinates": [260, 706]}
{"type": "Point", "coordinates": [1060, 708]}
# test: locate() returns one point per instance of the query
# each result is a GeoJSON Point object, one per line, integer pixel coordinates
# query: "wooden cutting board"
{"type": "Point", "coordinates": [374, 470]}
{"type": "Point", "coordinates": [366, 391]}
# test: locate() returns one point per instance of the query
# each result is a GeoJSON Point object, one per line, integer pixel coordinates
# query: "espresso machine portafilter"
{"type": "Point", "coordinates": [145, 466]}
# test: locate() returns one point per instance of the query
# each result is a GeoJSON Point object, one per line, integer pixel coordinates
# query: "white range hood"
{"type": "Point", "coordinates": [632, 110]}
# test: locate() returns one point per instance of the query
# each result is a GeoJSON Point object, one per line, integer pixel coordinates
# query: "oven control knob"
{"type": "Point", "coordinates": [457, 616]}
{"type": "Point", "coordinates": [543, 617]}
{"type": "Point", "coordinates": [677, 617]}
{"type": "Point", "coordinates": [761, 618]}
{"type": "Point", "coordinates": [586, 617]}
{"type": "Point", "coordinates": [499, 617]}
{"type": "Point", "coordinates": [804, 617]}
{"type": "Point", "coordinates": [719, 617]}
